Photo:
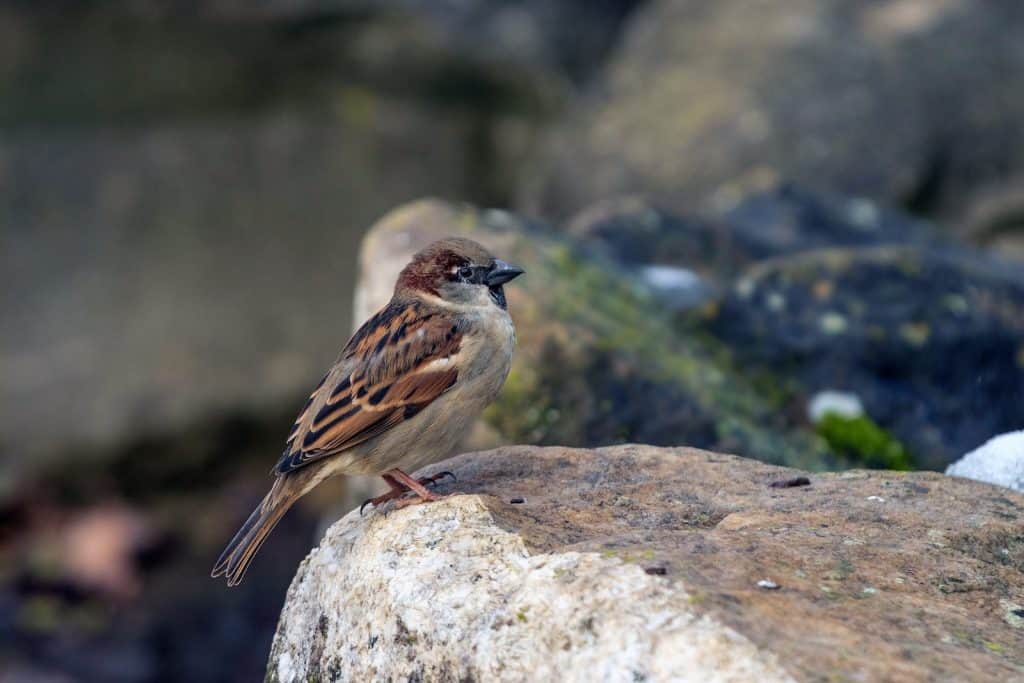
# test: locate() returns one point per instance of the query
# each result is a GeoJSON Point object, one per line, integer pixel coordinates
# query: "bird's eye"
{"type": "Point", "coordinates": [465, 272]}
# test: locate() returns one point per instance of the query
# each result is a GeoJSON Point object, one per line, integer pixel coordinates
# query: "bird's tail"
{"type": "Point", "coordinates": [236, 557]}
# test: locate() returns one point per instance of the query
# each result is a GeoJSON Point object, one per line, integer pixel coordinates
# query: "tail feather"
{"type": "Point", "coordinates": [240, 551]}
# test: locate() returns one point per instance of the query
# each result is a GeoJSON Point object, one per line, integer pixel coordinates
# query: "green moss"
{"type": "Point", "coordinates": [864, 442]}
{"type": "Point", "coordinates": [595, 315]}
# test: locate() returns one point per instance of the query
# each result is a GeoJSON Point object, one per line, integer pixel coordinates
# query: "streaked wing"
{"type": "Point", "coordinates": [394, 366]}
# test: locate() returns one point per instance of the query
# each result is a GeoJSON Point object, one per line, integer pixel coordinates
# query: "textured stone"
{"type": "Point", "coordinates": [639, 563]}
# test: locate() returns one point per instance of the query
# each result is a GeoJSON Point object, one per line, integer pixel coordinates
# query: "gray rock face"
{"type": "Point", "coordinates": [639, 563]}
{"type": "Point", "coordinates": [904, 101]}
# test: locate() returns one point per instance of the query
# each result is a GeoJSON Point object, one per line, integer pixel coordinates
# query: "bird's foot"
{"type": "Point", "coordinates": [430, 481]}
{"type": "Point", "coordinates": [393, 494]}
{"type": "Point", "coordinates": [401, 484]}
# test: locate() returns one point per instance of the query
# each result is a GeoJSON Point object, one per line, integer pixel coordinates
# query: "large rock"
{"type": "Point", "coordinates": [638, 563]}
{"type": "Point", "coordinates": [908, 101]}
{"type": "Point", "coordinates": [931, 341]}
{"type": "Point", "coordinates": [599, 359]}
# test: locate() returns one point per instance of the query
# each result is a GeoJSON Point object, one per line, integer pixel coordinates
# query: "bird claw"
{"type": "Point", "coordinates": [363, 506]}
{"type": "Point", "coordinates": [430, 481]}
{"type": "Point", "coordinates": [398, 496]}
{"type": "Point", "coordinates": [380, 500]}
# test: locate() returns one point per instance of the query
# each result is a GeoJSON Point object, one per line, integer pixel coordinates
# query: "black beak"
{"type": "Point", "coordinates": [502, 272]}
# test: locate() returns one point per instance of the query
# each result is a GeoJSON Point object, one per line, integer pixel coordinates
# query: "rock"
{"type": "Point", "coordinates": [830, 402]}
{"type": "Point", "coordinates": [718, 243]}
{"type": "Point", "coordinates": [639, 563]}
{"type": "Point", "coordinates": [1000, 460]}
{"type": "Point", "coordinates": [996, 220]}
{"type": "Point", "coordinates": [169, 57]}
{"type": "Point", "coordinates": [599, 359]}
{"type": "Point", "coordinates": [563, 39]}
{"type": "Point", "coordinates": [911, 102]}
{"type": "Point", "coordinates": [928, 340]}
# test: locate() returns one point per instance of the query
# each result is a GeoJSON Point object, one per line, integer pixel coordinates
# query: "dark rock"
{"type": "Point", "coordinates": [930, 341]}
{"type": "Point", "coordinates": [783, 219]}
{"type": "Point", "coordinates": [912, 103]}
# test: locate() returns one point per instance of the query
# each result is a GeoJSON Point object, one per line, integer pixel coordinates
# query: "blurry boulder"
{"type": "Point", "coordinates": [1000, 460]}
{"type": "Point", "coordinates": [780, 219]}
{"type": "Point", "coordinates": [124, 58]}
{"type": "Point", "coordinates": [564, 39]}
{"type": "Point", "coordinates": [906, 101]}
{"type": "Point", "coordinates": [599, 359]}
{"type": "Point", "coordinates": [649, 564]}
{"type": "Point", "coordinates": [996, 220]}
{"type": "Point", "coordinates": [931, 342]}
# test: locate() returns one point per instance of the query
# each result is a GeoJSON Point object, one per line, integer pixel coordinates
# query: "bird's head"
{"type": "Point", "coordinates": [459, 271]}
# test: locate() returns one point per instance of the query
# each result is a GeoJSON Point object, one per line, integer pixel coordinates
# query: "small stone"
{"type": "Point", "coordinates": [776, 302]}
{"type": "Point", "coordinates": [833, 323]}
{"type": "Point", "coordinates": [830, 401]}
{"type": "Point", "coordinates": [877, 499]}
{"type": "Point", "coordinates": [790, 483]}
{"type": "Point", "coordinates": [767, 584]}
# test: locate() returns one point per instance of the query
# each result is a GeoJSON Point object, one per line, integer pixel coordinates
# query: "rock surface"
{"type": "Point", "coordinates": [641, 563]}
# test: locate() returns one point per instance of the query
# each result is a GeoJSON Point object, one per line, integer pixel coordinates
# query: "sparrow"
{"type": "Point", "coordinates": [404, 390]}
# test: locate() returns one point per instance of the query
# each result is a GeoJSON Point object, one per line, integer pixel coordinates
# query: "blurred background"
{"type": "Point", "coordinates": [809, 215]}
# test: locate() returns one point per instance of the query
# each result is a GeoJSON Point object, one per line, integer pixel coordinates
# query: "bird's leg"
{"type": "Point", "coordinates": [401, 483]}
{"type": "Point", "coordinates": [397, 490]}
{"type": "Point", "coordinates": [415, 486]}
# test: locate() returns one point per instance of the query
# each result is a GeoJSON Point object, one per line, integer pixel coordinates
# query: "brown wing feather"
{"type": "Point", "coordinates": [386, 374]}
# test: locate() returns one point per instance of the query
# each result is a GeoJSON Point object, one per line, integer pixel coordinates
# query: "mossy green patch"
{"type": "Point", "coordinates": [864, 442]}
{"type": "Point", "coordinates": [594, 345]}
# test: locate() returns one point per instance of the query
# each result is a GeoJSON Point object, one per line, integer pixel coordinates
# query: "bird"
{"type": "Point", "coordinates": [402, 393]}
